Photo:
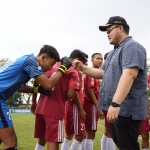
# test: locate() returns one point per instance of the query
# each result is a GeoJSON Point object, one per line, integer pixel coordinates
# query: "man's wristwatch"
{"type": "Point", "coordinates": [114, 104]}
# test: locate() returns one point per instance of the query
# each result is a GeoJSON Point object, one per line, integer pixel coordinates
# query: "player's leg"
{"type": "Point", "coordinates": [144, 130]}
{"type": "Point", "coordinates": [8, 137]}
{"type": "Point", "coordinates": [103, 142]}
{"type": "Point", "coordinates": [107, 142]}
{"type": "Point", "coordinates": [69, 125]}
{"type": "Point", "coordinates": [90, 124]}
{"type": "Point", "coordinates": [52, 146]}
{"type": "Point", "coordinates": [54, 133]}
{"type": "Point", "coordinates": [110, 145]}
{"type": "Point", "coordinates": [7, 133]}
{"type": "Point", "coordinates": [40, 129]}
{"type": "Point", "coordinates": [79, 129]}
{"type": "Point", "coordinates": [145, 141]}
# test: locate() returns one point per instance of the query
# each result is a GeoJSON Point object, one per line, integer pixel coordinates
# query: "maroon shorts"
{"type": "Point", "coordinates": [72, 120]}
{"type": "Point", "coordinates": [91, 116]}
{"type": "Point", "coordinates": [49, 128]}
{"type": "Point", "coordinates": [144, 126]}
{"type": "Point", "coordinates": [106, 124]}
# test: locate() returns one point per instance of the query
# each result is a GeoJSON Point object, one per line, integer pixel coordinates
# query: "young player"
{"type": "Point", "coordinates": [91, 92]}
{"type": "Point", "coordinates": [144, 126]}
{"type": "Point", "coordinates": [50, 110]}
{"type": "Point", "coordinates": [74, 115]}
{"type": "Point", "coordinates": [107, 141]}
{"type": "Point", "coordinates": [18, 73]}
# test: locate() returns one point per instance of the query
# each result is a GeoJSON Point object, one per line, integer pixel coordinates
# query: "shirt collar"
{"type": "Point", "coordinates": [123, 42]}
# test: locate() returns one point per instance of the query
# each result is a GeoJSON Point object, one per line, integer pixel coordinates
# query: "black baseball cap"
{"type": "Point", "coordinates": [115, 20]}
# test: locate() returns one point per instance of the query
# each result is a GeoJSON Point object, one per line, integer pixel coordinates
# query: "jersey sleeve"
{"type": "Point", "coordinates": [133, 56]}
{"type": "Point", "coordinates": [74, 80]}
{"type": "Point", "coordinates": [32, 67]}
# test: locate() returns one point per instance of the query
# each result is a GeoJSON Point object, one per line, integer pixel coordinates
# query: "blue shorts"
{"type": "Point", "coordinates": [5, 118]}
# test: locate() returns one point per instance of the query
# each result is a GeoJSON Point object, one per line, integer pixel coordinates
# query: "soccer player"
{"type": "Point", "coordinates": [50, 110]}
{"type": "Point", "coordinates": [106, 140]}
{"type": "Point", "coordinates": [74, 114]}
{"type": "Point", "coordinates": [18, 73]}
{"type": "Point", "coordinates": [144, 126]}
{"type": "Point", "coordinates": [90, 105]}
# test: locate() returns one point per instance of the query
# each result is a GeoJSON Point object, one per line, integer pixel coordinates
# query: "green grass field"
{"type": "Point", "coordinates": [24, 127]}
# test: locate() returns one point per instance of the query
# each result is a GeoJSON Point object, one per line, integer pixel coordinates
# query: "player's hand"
{"type": "Point", "coordinates": [65, 64]}
{"type": "Point", "coordinates": [41, 90]}
{"type": "Point", "coordinates": [112, 114]}
{"type": "Point", "coordinates": [100, 114]}
{"type": "Point", "coordinates": [82, 114]}
{"type": "Point", "coordinates": [77, 64]}
{"type": "Point", "coordinates": [33, 108]}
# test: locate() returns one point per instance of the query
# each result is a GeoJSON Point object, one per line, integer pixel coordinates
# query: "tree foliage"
{"type": "Point", "coordinates": [4, 61]}
{"type": "Point", "coordinates": [15, 100]}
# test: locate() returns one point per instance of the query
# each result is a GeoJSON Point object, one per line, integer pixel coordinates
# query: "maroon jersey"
{"type": "Point", "coordinates": [149, 81]}
{"type": "Point", "coordinates": [91, 83]}
{"type": "Point", "coordinates": [53, 106]}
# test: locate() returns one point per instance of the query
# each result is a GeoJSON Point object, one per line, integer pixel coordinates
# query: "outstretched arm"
{"type": "Point", "coordinates": [92, 72]}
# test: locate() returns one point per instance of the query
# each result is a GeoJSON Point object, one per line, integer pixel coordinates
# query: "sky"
{"type": "Point", "coordinates": [27, 25]}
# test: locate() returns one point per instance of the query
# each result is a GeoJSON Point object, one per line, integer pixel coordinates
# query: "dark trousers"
{"type": "Point", "coordinates": [125, 132]}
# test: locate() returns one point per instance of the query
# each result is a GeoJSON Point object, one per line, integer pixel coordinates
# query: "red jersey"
{"type": "Point", "coordinates": [149, 81]}
{"type": "Point", "coordinates": [53, 106]}
{"type": "Point", "coordinates": [81, 87]}
{"type": "Point", "coordinates": [91, 83]}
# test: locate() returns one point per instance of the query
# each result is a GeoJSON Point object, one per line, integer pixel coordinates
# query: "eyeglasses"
{"type": "Point", "coordinates": [109, 31]}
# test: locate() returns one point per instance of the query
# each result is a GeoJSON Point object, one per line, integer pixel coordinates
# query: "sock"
{"type": "Point", "coordinates": [110, 145]}
{"type": "Point", "coordinates": [88, 144]}
{"type": "Point", "coordinates": [75, 145]}
{"type": "Point", "coordinates": [103, 142]}
{"type": "Point", "coordinates": [65, 144]}
{"type": "Point", "coordinates": [39, 147]}
{"type": "Point", "coordinates": [82, 145]}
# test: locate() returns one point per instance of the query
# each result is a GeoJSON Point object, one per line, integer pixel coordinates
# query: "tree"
{"type": "Point", "coordinates": [15, 100]}
{"type": "Point", "coordinates": [4, 61]}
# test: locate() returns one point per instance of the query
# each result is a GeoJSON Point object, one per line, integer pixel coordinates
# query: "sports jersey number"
{"type": "Point", "coordinates": [82, 126]}
{"type": "Point", "coordinates": [8, 113]}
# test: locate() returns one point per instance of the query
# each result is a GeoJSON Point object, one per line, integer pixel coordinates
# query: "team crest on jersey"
{"type": "Point", "coordinates": [39, 68]}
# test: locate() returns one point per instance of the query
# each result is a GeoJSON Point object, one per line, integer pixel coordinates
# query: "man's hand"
{"type": "Point", "coordinates": [100, 114]}
{"type": "Point", "coordinates": [82, 114]}
{"type": "Point", "coordinates": [65, 64]}
{"type": "Point", "coordinates": [33, 108]}
{"type": "Point", "coordinates": [112, 114]}
{"type": "Point", "coordinates": [77, 64]}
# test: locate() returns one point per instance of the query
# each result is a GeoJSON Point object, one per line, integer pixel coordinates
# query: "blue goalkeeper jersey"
{"type": "Point", "coordinates": [17, 73]}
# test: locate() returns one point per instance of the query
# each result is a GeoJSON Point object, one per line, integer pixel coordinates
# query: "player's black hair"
{"type": "Point", "coordinates": [78, 54]}
{"type": "Point", "coordinates": [86, 55]}
{"type": "Point", "coordinates": [50, 51]}
{"type": "Point", "coordinates": [93, 55]}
